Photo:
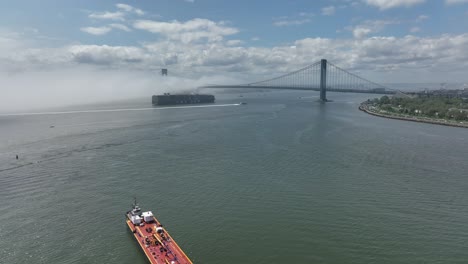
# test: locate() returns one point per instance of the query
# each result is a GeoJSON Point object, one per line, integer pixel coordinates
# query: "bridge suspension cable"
{"type": "Point", "coordinates": [320, 76]}
{"type": "Point", "coordinates": [308, 76]}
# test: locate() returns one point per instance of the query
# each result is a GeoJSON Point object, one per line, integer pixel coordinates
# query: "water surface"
{"type": "Point", "coordinates": [283, 179]}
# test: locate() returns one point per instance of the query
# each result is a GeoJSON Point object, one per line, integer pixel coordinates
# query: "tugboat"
{"type": "Point", "coordinates": [153, 238]}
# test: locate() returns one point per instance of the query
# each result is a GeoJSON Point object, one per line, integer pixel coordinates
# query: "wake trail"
{"type": "Point", "coordinates": [117, 110]}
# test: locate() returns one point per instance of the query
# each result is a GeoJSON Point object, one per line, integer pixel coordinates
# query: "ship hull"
{"type": "Point", "coordinates": [177, 99]}
{"type": "Point", "coordinates": [159, 247]}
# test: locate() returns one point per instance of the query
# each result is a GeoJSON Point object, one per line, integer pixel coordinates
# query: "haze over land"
{"type": "Point", "coordinates": [54, 54]}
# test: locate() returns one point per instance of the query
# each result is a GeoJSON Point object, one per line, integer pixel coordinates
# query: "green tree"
{"type": "Point", "coordinates": [387, 108]}
{"type": "Point", "coordinates": [384, 100]}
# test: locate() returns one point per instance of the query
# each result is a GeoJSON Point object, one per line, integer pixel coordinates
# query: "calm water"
{"type": "Point", "coordinates": [281, 180]}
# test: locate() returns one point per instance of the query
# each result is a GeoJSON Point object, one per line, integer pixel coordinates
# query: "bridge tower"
{"type": "Point", "coordinates": [319, 76]}
{"type": "Point", "coordinates": [323, 80]}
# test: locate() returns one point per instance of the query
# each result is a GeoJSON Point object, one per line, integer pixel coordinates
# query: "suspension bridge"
{"type": "Point", "coordinates": [321, 76]}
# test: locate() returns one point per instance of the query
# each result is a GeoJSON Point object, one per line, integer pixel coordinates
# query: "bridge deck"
{"type": "Point", "coordinates": [302, 88]}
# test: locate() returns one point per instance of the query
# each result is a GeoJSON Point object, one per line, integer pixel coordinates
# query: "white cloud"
{"type": "Point", "coordinates": [96, 30]}
{"type": "Point", "coordinates": [121, 27]}
{"type": "Point", "coordinates": [281, 23]}
{"type": "Point", "coordinates": [125, 7]}
{"type": "Point", "coordinates": [328, 11]}
{"type": "Point", "coordinates": [381, 59]}
{"type": "Point", "coordinates": [234, 42]}
{"type": "Point", "coordinates": [299, 19]}
{"type": "Point", "coordinates": [387, 4]}
{"type": "Point", "coordinates": [370, 26]}
{"type": "Point", "coordinates": [198, 47]}
{"type": "Point", "coordinates": [139, 12]}
{"type": "Point", "coordinates": [104, 29]}
{"type": "Point", "coordinates": [422, 18]}
{"type": "Point", "coordinates": [206, 58]}
{"type": "Point", "coordinates": [415, 29]}
{"type": "Point", "coordinates": [81, 74]}
{"type": "Point", "coordinates": [360, 32]}
{"type": "Point", "coordinates": [189, 31]}
{"type": "Point", "coordinates": [306, 14]}
{"type": "Point", "coordinates": [453, 2]}
{"type": "Point", "coordinates": [106, 55]}
{"type": "Point", "coordinates": [108, 16]}
{"type": "Point", "coordinates": [129, 8]}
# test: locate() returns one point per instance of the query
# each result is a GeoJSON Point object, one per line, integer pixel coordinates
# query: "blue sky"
{"type": "Point", "coordinates": [208, 41]}
{"type": "Point", "coordinates": [254, 19]}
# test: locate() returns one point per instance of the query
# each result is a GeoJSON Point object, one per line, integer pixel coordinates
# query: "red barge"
{"type": "Point", "coordinates": [153, 238]}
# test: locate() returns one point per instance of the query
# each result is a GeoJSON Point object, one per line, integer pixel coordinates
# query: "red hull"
{"type": "Point", "coordinates": [159, 247]}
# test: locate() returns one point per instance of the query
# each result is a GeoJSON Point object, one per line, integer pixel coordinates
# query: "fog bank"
{"type": "Point", "coordinates": [36, 90]}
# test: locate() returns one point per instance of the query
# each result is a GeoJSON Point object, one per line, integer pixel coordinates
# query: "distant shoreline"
{"type": "Point", "coordinates": [364, 107]}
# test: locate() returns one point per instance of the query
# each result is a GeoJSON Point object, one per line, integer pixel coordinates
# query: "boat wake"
{"type": "Point", "coordinates": [118, 110]}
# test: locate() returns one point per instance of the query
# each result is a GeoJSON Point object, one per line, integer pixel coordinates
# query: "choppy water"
{"type": "Point", "coordinates": [281, 180]}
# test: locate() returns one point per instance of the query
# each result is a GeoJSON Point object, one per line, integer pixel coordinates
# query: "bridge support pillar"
{"type": "Point", "coordinates": [323, 80]}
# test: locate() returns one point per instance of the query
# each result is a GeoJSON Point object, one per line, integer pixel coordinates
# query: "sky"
{"type": "Point", "coordinates": [87, 50]}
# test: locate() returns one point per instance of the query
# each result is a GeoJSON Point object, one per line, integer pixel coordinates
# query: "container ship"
{"type": "Point", "coordinates": [175, 99]}
{"type": "Point", "coordinates": [154, 240]}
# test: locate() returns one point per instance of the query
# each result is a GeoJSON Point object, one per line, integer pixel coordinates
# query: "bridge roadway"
{"type": "Point", "coordinates": [303, 88]}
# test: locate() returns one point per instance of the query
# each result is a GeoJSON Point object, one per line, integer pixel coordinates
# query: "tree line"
{"type": "Point", "coordinates": [434, 107]}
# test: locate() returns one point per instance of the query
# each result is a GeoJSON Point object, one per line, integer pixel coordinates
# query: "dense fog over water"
{"type": "Point", "coordinates": [31, 90]}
